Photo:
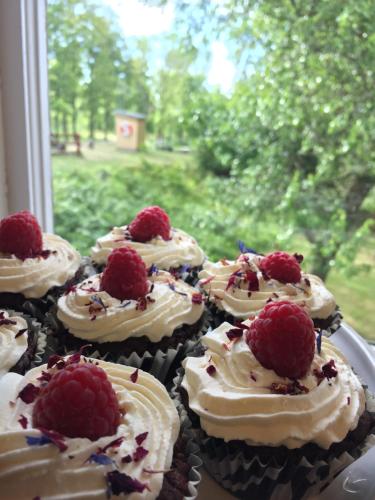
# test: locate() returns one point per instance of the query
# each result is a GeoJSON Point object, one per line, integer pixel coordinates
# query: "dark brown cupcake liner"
{"type": "Point", "coordinates": [262, 472]}
{"type": "Point", "coordinates": [36, 344]}
{"type": "Point", "coordinates": [161, 359]}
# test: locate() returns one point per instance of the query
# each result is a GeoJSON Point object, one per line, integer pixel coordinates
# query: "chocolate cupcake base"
{"type": "Point", "coordinates": [329, 325]}
{"type": "Point", "coordinates": [189, 275]}
{"type": "Point", "coordinates": [183, 477]}
{"type": "Point", "coordinates": [264, 471]}
{"type": "Point", "coordinates": [161, 359]}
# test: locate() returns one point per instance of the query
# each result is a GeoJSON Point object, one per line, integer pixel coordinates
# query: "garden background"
{"type": "Point", "coordinates": [283, 160]}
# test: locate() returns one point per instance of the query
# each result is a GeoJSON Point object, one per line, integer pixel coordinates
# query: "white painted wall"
{"type": "Point", "coordinates": [3, 184]}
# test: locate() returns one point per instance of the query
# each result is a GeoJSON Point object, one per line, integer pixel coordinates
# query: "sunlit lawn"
{"type": "Point", "coordinates": [355, 295]}
{"type": "Point", "coordinates": [106, 187]}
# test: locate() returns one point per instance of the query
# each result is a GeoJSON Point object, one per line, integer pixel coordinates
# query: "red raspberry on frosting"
{"type": "Point", "coordinates": [149, 223]}
{"type": "Point", "coordinates": [78, 401]}
{"type": "Point", "coordinates": [21, 235]}
{"type": "Point", "coordinates": [282, 338]}
{"type": "Point", "coordinates": [281, 266]}
{"type": "Point", "coordinates": [125, 276]}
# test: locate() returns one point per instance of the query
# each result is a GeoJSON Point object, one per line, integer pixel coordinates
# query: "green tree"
{"type": "Point", "coordinates": [134, 92]}
{"type": "Point", "coordinates": [177, 91]}
{"type": "Point", "coordinates": [65, 68]}
{"type": "Point", "coordinates": [88, 64]}
{"type": "Point", "coordinates": [302, 121]}
{"type": "Point", "coordinates": [104, 58]}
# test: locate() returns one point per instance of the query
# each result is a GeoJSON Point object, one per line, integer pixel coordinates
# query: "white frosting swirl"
{"type": "Point", "coordinates": [240, 303]}
{"type": "Point", "coordinates": [12, 348]}
{"type": "Point", "coordinates": [236, 401]}
{"type": "Point", "coordinates": [30, 471]}
{"type": "Point", "coordinates": [179, 250]}
{"type": "Point", "coordinates": [33, 277]}
{"type": "Point", "coordinates": [169, 306]}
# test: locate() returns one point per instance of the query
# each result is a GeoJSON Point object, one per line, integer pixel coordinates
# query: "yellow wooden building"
{"type": "Point", "coordinates": [130, 129]}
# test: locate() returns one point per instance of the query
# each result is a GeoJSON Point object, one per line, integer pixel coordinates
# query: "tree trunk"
{"type": "Point", "coordinates": [56, 121]}
{"type": "Point", "coordinates": [92, 125]}
{"type": "Point", "coordinates": [107, 122]}
{"type": "Point", "coordinates": [355, 217]}
{"type": "Point", "coordinates": [74, 117]}
{"type": "Point", "coordinates": [65, 124]}
{"type": "Point", "coordinates": [359, 190]}
{"type": "Point", "coordinates": [320, 263]}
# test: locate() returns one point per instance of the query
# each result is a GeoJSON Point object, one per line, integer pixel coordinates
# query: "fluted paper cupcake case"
{"type": "Point", "coordinates": [194, 460]}
{"type": "Point", "coordinates": [37, 329]}
{"type": "Point", "coordinates": [162, 365]}
{"type": "Point", "coordinates": [192, 448]}
{"type": "Point", "coordinates": [265, 479]}
{"type": "Point", "coordinates": [40, 347]}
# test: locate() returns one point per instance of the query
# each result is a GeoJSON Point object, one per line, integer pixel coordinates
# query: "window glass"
{"type": "Point", "coordinates": [245, 121]}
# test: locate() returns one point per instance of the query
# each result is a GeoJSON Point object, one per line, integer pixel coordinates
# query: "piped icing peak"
{"type": "Point", "coordinates": [121, 463]}
{"type": "Point", "coordinates": [33, 277]}
{"type": "Point", "coordinates": [92, 314]}
{"type": "Point", "coordinates": [241, 399]}
{"type": "Point", "coordinates": [241, 288]}
{"type": "Point", "coordinates": [180, 249]}
{"type": "Point", "coordinates": [13, 340]}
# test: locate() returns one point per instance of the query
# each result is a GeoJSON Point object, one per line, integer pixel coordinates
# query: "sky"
{"type": "Point", "coordinates": [137, 19]}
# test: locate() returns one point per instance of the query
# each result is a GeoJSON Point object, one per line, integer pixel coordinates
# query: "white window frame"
{"type": "Point", "coordinates": [24, 93]}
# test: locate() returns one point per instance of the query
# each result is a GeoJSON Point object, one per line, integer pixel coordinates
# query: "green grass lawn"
{"type": "Point", "coordinates": [355, 295]}
{"type": "Point", "coordinates": [106, 187]}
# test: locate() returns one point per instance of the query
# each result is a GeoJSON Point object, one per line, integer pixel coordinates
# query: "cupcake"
{"type": "Point", "coordinates": [22, 342]}
{"type": "Point", "coordinates": [274, 408]}
{"type": "Point", "coordinates": [124, 312]}
{"type": "Point", "coordinates": [159, 244]}
{"type": "Point", "coordinates": [35, 267]}
{"type": "Point", "coordinates": [78, 427]}
{"type": "Point", "coordinates": [239, 289]}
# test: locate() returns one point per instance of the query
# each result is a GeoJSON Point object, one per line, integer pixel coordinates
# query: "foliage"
{"type": "Point", "coordinates": [290, 149]}
{"type": "Point", "coordinates": [134, 82]}
{"type": "Point", "coordinates": [90, 69]}
{"type": "Point", "coordinates": [104, 192]}
{"type": "Point", "coordinates": [300, 124]}
{"type": "Point", "coordinates": [107, 187]}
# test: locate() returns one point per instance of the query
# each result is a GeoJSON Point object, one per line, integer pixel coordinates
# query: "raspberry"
{"type": "Point", "coordinates": [20, 234]}
{"type": "Point", "coordinates": [150, 222]}
{"type": "Point", "coordinates": [125, 276]}
{"type": "Point", "coordinates": [281, 266]}
{"type": "Point", "coordinates": [78, 401]}
{"type": "Point", "coordinates": [282, 338]}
